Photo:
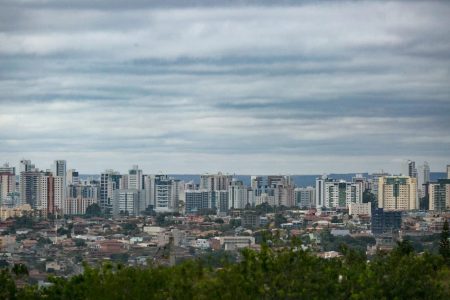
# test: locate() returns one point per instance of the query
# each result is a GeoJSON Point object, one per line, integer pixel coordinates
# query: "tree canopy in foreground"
{"type": "Point", "coordinates": [267, 274]}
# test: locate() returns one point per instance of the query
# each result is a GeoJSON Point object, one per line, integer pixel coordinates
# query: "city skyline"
{"type": "Point", "coordinates": [246, 87]}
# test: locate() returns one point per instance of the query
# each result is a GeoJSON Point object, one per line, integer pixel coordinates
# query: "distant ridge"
{"type": "Point", "coordinates": [299, 180]}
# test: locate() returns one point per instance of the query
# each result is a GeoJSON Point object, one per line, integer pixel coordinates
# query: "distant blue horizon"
{"type": "Point", "coordinates": [299, 180]}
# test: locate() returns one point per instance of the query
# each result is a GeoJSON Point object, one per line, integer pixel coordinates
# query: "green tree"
{"type": "Point", "coordinates": [7, 285]}
{"type": "Point", "coordinates": [263, 208]}
{"type": "Point", "coordinates": [20, 270]}
{"type": "Point", "coordinates": [129, 228]}
{"type": "Point", "coordinates": [279, 219]}
{"type": "Point", "coordinates": [444, 244]}
{"type": "Point", "coordinates": [80, 243]}
{"type": "Point", "coordinates": [404, 247]}
{"type": "Point", "coordinates": [93, 210]}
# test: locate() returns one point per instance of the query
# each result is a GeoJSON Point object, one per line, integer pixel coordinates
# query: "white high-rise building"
{"type": "Point", "coordinates": [341, 194]}
{"type": "Point", "coordinates": [60, 173]}
{"type": "Point", "coordinates": [128, 201]}
{"type": "Point", "coordinates": [135, 178]}
{"type": "Point", "coordinates": [320, 190]}
{"type": "Point", "coordinates": [167, 193]}
{"type": "Point", "coordinates": [237, 195]}
{"type": "Point", "coordinates": [448, 171]}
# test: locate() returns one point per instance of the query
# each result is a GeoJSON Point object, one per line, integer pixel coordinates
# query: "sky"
{"type": "Point", "coordinates": [247, 87]}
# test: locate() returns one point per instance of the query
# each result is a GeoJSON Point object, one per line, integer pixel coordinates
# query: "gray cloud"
{"type": "Point", "coordinates": [297, 87]}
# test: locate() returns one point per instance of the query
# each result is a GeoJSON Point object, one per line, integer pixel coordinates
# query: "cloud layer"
{"type": "Point", "coordinates": [187, 87]}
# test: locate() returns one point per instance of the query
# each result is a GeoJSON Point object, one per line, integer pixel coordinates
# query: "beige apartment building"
{"type": "Point", "coordinates": [397, 193]}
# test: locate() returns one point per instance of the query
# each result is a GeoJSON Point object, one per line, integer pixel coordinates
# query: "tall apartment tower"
{"type": "Point", "coordinates": [320, 190]}
{"type": "Point", "coordinates": [237, 195]}
{"type": "Point", "coordinates": [60, 173]}
{"type": "Point", "coordinates": [397, 193]}
{"type": "Point", "coordinates": [72, 177]}
{"type": "Point", "coordinates": [304, 197]}
{"type": "Point", "coordinates": [409, 168]}
{"type": "Point", "coordinates": [28, 184]}
{"type": "Point", "coordinates": [135, 179]}
{"type": "Point", "coordinates": [167, 193]}
{"type": "Point", "coordinates": [79, 197]}
{"type": "Point", "coordinates": [51, 193]}
{"type": "Point", "coordinates": [7, 181]}
{"type": "Point", "coordinates": [448, 171]}
{"type": "Point", "coordinates": [215, 182]}
{"type": "Point", "coordinates": [128, 202]}
{"type": "Point", "coordinates": [26, 165]}
{"type": "Point", "coordinates": [109, 182]}
{"type": "Point", "coordinates": [423, 178]}
{"type": "Point", "coordinates": [439, 195]}
{"type": "Point", "coordinates": [59, 168]}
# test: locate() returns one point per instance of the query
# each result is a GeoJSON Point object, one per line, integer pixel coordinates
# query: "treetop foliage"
{"type": "Point", "coordinates": [271, 273]}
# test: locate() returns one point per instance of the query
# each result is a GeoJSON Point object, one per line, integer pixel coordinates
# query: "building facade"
{"type": "Point", "coordinates": [397, 193]}
{"type": "Point", "coordinates": [439, 195]}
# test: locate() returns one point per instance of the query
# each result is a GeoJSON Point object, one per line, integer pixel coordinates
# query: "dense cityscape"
{"type": "Point", "coordinates": [55, 220]}
{"type": "Point", "coordinates": [238, 149]}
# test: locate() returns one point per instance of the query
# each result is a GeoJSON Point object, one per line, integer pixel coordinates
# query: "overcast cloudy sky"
{"type": "Point", "coordinates": [301, 87]}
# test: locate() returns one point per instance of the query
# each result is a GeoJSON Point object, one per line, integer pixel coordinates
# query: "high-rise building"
{"type": "Point", "coordinates": [448, 171]}
{"type": "Point", "coordinates": [215, 182]}
{"type": "Point", "coordinates": [304, 197]}
{"type": "Point", "coordinates": [26, 165]}
{"type": "Point", "coordinates": [135, 178]}
{"type": "Point", "coordinates": [60, 173]}
{"type": "Point", "coordinates": [385, 221]}
{"type": "Point", "coordinates": [7, 169]}
{"type": "Point", "coordinates": [59, 168]}
{"type": "Point", "coordinates": [397, 193]}
{"type": "Point", "coordinates": [127, 202]}
{"type": "Point", "coordinates": [283, 190]}
{"type": "Point", "coordinates": [219, 200]}
{"type": "Point", "coordinates": [109, 181]}
{"type": "Point", "coordinates": [7, 182]}
{"type": "Point", "coordinates": [439, 195]}
{"type": "Point", "coordinates": [320, 190]}
{"type": "Point", "coordinates": [167, 193]}
{"type": "Point", "coordinates": [276, 190]}
{"type": "Point", "coordinates": [72, 177]}
{"type": "Point", "coordinates": [196, 200]}
{"type": "Point", "coordinates": [373, 182]}
{"type": "Point", "coordinates": [28, 184]}
{"type": "Point", "coordinates": [237, 194]}
{"type": "Point", "coordinates": [409, 168]}
{"type": "Point", "coordinates": [423, 177]}
{"type": "Point", "coordinates": [51, 197]}
{"type": "Point", "coordinates": [341, 193]}
{"type": "Point", "coordinates": [79, 197]}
